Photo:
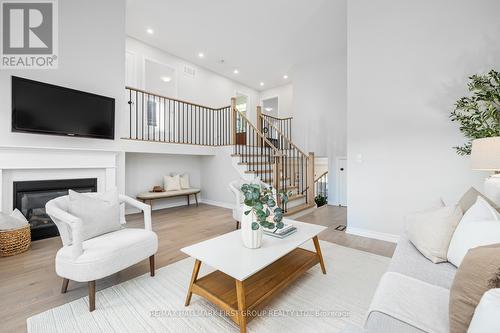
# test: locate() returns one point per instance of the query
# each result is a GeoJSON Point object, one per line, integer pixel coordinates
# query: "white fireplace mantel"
{"type": "Point", "coordinates": [33, 163]}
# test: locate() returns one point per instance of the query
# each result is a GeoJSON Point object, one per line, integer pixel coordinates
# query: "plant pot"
{"type": "Point", "coordinates": [252, 239]}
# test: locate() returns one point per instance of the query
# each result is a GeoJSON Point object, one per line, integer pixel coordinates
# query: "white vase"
{"type": "Point", "coordinates": [252, 239]}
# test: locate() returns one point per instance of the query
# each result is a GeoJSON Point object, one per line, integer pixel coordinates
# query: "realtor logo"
{"type": "Point", "coordinates": [29, 34]}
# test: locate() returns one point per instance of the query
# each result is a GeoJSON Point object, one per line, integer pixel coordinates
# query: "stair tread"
{"type": "Point", "coordinates": [259, 171]}
{"type": "Point", "coordinates": [298, 208]}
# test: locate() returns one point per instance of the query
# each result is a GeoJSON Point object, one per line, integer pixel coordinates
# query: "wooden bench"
{"type": "Point", "coordinates": [151, 196]}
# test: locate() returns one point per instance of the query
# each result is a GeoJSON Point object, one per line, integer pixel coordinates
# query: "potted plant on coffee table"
{"type": "Point", "coordinates": [261, 211]}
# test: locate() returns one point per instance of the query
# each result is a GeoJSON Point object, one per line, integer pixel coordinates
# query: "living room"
{"type": "Point", "coordinates": [225, 141]}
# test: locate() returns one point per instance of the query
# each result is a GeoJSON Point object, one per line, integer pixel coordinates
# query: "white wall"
{"type": "Point", "coordinates": [144, 171]}
{"type": "Point", "coordinates": [408, 62]}
{"type": "Point", "coordinates": [91, 58]}
{"type": "Point", "coordinates": [285, 99]}
{"type": "Point", "coordinates": [207, 88]}
{"type": "Point", "coordinates": [216, 174]}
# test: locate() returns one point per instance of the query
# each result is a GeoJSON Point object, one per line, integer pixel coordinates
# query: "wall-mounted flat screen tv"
{"type": "Point", "coordinates": [39, 107]}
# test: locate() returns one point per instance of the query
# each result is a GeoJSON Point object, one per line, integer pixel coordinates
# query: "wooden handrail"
{"type": "Point", "coordinates": [284, 136]}
{"type": "Point", "coordinates": [176, 100]}
{"type": "Point", "coordinates": [275, 150]}
{"type": "Point", "coordinates": [322, 175]}
{"type": "Point", "coordinates": [277, 118]}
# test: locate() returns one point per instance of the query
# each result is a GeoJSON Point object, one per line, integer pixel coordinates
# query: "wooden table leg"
{"type": "Point", "coordinates": [196, 198]}
{"type": "Point", "coordinates": [188, 199]}
{"type": "Point", "coordinates": [242, 307]}
{"type": "Point", "coordinates": [194, 276]}
{"type": "Point", "coordinates": [320, 256]}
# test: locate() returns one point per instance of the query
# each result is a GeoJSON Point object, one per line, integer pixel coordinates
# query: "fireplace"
{"type": "Point", "coordinates": [30, 198]}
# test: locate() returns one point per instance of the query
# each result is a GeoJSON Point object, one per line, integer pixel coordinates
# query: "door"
{"type": "Point", "coordinates": [342, 181]}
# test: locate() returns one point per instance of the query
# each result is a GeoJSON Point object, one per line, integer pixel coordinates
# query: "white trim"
{"type": "Point", "coordinates": [217, 203]}
{"type": "Point", "coordinates": [372, 234]}
{"type": "Point", "coordinates": [129, 211]}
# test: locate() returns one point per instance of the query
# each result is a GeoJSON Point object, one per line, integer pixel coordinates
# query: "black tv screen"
{"type": "Point", "coordinates": [45, 108]}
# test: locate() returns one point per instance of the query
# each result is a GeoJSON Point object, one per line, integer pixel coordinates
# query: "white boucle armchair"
{"type": "Point", "coordinates": [101, 256]}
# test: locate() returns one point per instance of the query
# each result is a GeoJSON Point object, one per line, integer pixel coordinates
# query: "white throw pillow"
{"type": "Point", "coordinates": [13, 221]}
{"type": "Point", "coordinates": [479, 226]}
{"type": "Point", "coordinates": [18, 215]}
{"type": "Point", "coordinates": [99, 213]}
{"type": "Point", "coordinates": [431, 231]}
{"type": "Point", "coordinates": [172, 183]}
{"type": "Point", "coordinates": [184, 181]}
{"type": "Point", "coordinates": [486, 317]}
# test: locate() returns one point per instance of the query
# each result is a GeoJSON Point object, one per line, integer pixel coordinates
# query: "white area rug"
{"type": "Point", "coordinates": [147, 304]}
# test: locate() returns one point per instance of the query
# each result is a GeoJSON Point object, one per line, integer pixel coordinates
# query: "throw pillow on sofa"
{"type": "Point", "coordinates": [100, 213]}
{"type": "Point", "coordinates": [486, 319]}
{"type": "Point", "coordinates": [431, 231]}
{"type": "Point", "coordinates": [172, 183]}
{"type": "Point", "coordinates": [479, 272]}
{"type": "Point", "coordinates": [479, 226]}
{"type": "Point", "coordinates": [469, 199]}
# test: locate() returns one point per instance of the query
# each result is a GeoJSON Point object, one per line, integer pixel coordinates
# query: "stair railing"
{"type": "Point", "coordinates": [157, 118]}
{"type": "Point", "coordinates": [321, 185]}
{"type": "Point", "coordinates": [284, 125]}
{"type": "Point", "coordinates": [298, 167]}
{"type": "Point", "coordinates": [257, 153]}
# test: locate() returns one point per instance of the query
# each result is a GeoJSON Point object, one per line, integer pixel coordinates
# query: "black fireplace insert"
{"type": "Point", "coordinates": [30, 198]}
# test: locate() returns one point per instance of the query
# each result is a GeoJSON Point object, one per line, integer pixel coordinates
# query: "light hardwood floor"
{"type": "Point", "coordinates": [29, 284]}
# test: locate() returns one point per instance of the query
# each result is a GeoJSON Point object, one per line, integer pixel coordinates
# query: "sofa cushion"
{"type": "Point", "coordinates": [99, 213]}
{"type": "Point", "coordinates": [106, 254]}
{"type": "Point", "coordinates": [472, 231]}
{"type": "Point", "coordinates": [431, 231]}
{"type": "Point", "coordinates": [486, 318]}
{"type": "Point", "coordinates": [470, 197]}
{"type": "Point", "coordinates": [409, 261]}
{"type": "Point", "coordinates": [479, 272]}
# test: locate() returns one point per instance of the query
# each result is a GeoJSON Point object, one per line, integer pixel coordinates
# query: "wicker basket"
{"type": "Point", "coordinates": [15, 241]}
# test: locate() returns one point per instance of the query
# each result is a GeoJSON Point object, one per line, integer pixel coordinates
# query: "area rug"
{"type": "Point", "coordinates": [314, 303]}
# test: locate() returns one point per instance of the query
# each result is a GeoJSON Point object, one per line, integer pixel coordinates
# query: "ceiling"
{"type": "Point", "coordinates": [263, 39]}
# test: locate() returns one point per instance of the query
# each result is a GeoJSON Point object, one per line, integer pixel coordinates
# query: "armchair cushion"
{"type": "Point", "coordinates": [100, 213]}
{"type": "Point", "coordinates": [106, 254]}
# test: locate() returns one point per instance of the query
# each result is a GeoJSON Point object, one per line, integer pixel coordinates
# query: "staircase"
{"type": "Point", "coordinates": [264, 150]}
{"type": "Point", "coordinates": [267, 151]}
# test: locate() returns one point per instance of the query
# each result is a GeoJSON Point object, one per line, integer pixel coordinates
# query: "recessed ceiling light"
{"type": "Point", "coordinates": [201, 55]}
{"type": "Point", "coordinates": [150, 31]}
{"type": "Point", "coordinates": [236, 71]}
{"type": "Point", "coordinates": [166, 78]}
{"type": "Point", "coordinates": [262, 84]}
{"type": "Point", "coordinates": [285, 76]}
{"type": "Point", "coordinates": [268, 109]}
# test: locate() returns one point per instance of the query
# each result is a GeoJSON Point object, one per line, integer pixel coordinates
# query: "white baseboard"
{"type": "Point", "coordinates": [217, 203]}
{"type": "Point", "coordinates": [179, 204]}
{"type": "Point", "coordinates": [157, 207]}
{"type": "Point", "coordinates": [372, 234]}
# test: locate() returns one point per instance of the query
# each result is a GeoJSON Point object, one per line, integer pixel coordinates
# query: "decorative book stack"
{"type": "Point", "coordinates": [288, 229]}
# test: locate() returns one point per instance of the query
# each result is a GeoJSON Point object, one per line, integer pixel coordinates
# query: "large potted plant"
{"type": "Point", "coordinates": [260, 211]}
{"type": "Point", "coordinates": [479, 113]}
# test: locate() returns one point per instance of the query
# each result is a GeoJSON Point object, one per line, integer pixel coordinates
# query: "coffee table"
{"type": "Point", "coordinates": [246, 279]}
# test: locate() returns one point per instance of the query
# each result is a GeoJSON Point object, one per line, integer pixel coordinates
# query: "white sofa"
{"type": "Point", "coordinates": [101, 256]}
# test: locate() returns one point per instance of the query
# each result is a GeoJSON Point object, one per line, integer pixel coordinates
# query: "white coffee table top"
{"type": "Point", "coordinates": [227, 254]}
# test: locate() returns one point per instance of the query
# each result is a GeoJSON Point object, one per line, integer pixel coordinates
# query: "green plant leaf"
{"type": "Point", "coordinates": [255, 226]}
